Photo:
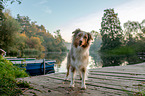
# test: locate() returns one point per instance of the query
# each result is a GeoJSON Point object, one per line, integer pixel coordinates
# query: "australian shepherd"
{"type": "Point", "coordinates": [78, 56]}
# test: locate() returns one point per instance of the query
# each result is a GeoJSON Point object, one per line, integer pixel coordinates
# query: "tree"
{"type": "Point", "coordinates": [35, 43]}
{"type": "Point", "coordinates": [133, 32]}
{"type": "Point", "coordinates": [9, 32]}
{"type": "Point", "coordinates": [94, 33]}
{"type": "Point", "coordinates": [95, 46]}
{"type": "Point", "coordinates": [59, 42]}
{"type": "Point", "coordinates": [143, 26]}
{"type": "Point", "coordinates": [2, 3]}
{"type": "Point", "coordinates": [4, 31]}
{"type": "Point", "coordinates": [111, 30]}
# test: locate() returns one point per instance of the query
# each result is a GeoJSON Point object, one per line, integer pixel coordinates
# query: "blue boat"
{"type": "Point", "coordinates": [36, 67]}
{"type": "Point", "coordinates": [20, 59]}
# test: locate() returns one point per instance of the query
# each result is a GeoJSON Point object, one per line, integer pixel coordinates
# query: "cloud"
{"type": "Point", "coordinates": [132, 10]}
{"type": "Point", "coordinates": [46, 9]}
{"type": "Point", "coordinates": [43, 8]}
{"type": "Point", "coordinates": [86, 23]}
{"type": "Point", "coordinates": [43, 1]}
{"type": "Point", "coordinates": [40, 2]}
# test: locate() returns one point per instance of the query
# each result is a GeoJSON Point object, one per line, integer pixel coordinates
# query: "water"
{"type": "Point", "coordinates": [95, 60]}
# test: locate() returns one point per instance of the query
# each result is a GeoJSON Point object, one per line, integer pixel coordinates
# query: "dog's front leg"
{"type": "Point", "coordinates": [72, 76]}
{"type": "Point", "coordinates": [83, 78]}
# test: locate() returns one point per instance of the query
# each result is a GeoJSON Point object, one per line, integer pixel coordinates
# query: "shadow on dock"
{"type": "Point", "coordinates": [108, 81]}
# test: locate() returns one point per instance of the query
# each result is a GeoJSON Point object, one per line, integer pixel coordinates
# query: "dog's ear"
{"type": "Point", "coordinates": [89, 37]}
{"type": "Point", "coordinates": [76, 32]}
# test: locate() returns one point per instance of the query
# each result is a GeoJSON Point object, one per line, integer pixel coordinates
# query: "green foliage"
{"type": "Point", "coordinates": [23, 84]}
{"type": "Point", "coordinates": [116, 42]}
{"type": "Point", "coordinates": [134, 35]}
{"type": "Point", "coordinates": [139, 46]}
{"type": "Point", "coordinates": [38, 38]}
{"type": "Point", "coordinates": [21, 34]}
{"type": "Point", "coordinates": [96, 44]}
{"type": "Point", "coordinates": [8, 33]}
{"type": "Point", "coordinates": [111, 31]}
{"type": "Point", "coordinates": [2, 3]}
{"type": "Point", "coordinates": [123, 50]}
{"type": "Point", "coordinates": [143, 26]}
{"type": "Point", "coordinates": [132, 32]}
{"type": "Point", "coordinates": [9, 73]}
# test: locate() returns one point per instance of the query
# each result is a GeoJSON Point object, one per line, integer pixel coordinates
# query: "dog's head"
{"type": "Point", "coordinates": [81, 38]}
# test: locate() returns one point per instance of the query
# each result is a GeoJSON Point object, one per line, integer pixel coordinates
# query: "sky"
{"type": "Point", "coordinates": [68, 15]}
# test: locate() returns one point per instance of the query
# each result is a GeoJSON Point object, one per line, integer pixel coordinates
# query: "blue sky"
{"type": "Point", "coordinates": [68, 15]}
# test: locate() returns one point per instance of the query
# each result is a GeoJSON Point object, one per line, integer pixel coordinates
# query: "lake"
{"type": "Point", "coordinates": [95, 60]}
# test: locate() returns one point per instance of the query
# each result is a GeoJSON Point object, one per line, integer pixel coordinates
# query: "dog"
{"type": "Point", "coordinates": [78, 56]}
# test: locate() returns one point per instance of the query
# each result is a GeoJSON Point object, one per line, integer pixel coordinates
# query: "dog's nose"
{"type": "Point", "coordinates": [80, 43]}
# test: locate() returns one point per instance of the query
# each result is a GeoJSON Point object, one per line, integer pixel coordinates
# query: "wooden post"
{"type": "Point", "coordinates": [44, 66]}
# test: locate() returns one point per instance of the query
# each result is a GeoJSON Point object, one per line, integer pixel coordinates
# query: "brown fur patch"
{"type": "Point", "coordinates": [72, 69]}
{"type": "Point", "coordinates": [76, 38]}
{"type": "Point", "coordinates": [85, 39]}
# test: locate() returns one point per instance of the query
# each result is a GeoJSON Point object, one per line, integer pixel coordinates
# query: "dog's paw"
{"type": "Point", "coordinates": [66, 78]}
{"type": "Point", "coordinates": [72, 85]}
{"type": "Point", "coordinates": [83, 87]}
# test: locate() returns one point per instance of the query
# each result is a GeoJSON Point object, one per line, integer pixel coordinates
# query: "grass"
{"type": "Point", "coordinates": [8, 84]}
{"type": "Point", "coordinates": [24, 84]}
{"type": "Point", "coordinates": [123, 50]}
{"type": "Point", "coordinates": [141, 90]}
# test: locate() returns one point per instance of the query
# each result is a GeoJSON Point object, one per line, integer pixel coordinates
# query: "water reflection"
{"type": "Point", "coordinates": [58, 56]}
{"type": "Point", "coordinates": [96, 60]}
{"type": "Point", "coordinates": [115, 60]}
{"type": "Point", "coordinates": [62, 66]}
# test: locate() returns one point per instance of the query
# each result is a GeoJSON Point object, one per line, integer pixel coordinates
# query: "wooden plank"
{"type": "Point", "coordinates": [104, 80]}
{"type": "Point", "coordinates": [119, 75]}
{"type": "Point", "coordinates": [116, 72]}
{"type": "Point", "coordinates": [115, 84]}
{"type": "Point", "coordinates": [114, 78]}
{"type": "Point", "coordinates": [113, 81]}
{"type": "Point", "coordinates": [97, 85]}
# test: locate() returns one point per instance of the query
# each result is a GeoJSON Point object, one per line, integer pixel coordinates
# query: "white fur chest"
{"type": "Point", "coordinates": [80, 57]}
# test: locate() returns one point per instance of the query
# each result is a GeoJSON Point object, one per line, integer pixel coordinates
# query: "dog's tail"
{"type": "Point", "coordinates": [67, 67]}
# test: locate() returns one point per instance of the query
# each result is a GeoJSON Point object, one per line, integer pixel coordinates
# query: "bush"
{"type": "Point", "coordinates": [9, 73]}
{"type": "Point", "coordinates": [123, 50]}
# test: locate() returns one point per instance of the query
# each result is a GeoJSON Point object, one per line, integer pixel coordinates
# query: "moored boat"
{"type": "Point", "coordinates": [35, 67]}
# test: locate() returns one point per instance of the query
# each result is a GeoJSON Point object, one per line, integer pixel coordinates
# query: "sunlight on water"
{"type": "Point", "coordinates": [62, 67]}
{"type": "Point", "coordinates": [99, 61]}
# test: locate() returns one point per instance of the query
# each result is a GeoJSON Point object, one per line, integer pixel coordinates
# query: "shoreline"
{"type": "Point", "coordinates": [114, 80]}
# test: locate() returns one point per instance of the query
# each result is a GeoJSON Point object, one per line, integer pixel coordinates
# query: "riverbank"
{"type": "Point", "coordinates": [117, 80]}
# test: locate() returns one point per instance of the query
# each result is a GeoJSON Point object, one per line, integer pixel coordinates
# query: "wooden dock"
{"type": "Point", "coordinates": [108, 81]}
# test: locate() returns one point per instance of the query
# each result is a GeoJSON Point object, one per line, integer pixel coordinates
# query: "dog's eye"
{"type": "Point", "coordinates": [80, 35]}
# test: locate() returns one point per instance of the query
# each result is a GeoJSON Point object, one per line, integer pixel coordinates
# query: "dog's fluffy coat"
{"type": "Point", "coordinates": [77, 59]}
